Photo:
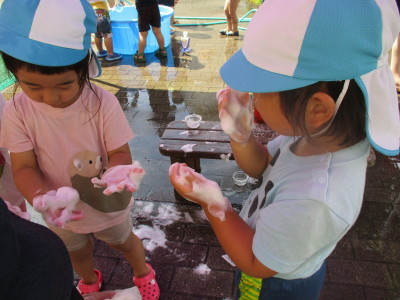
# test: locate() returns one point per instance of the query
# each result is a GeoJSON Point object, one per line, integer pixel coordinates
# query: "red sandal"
{"type": "Point", "coordinates": [147, 285]}
{"type": "Point", "coordinates": [90, 288]}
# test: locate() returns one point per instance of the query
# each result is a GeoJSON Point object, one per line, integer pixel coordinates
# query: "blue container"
{"type": "Point", "coordinates": [124, 24]}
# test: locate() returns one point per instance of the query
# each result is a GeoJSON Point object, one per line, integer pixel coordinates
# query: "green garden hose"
{"type": "Point", "coordinates": [241, 20]}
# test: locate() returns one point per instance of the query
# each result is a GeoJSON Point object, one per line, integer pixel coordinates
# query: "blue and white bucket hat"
{"type": "Point", "coordinates": [48, 32]}
{"type": "Point", "coordinates": [294, 43]}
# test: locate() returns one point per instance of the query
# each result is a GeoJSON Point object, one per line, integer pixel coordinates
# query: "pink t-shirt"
{"type": "Point", "coordinates": [8, 190]}
{"type": "Point", "coordinates": [71, 146]}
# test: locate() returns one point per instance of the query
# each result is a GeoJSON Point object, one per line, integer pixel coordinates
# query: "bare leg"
{"type": "Point", "coordinates": [233, 14]}
{"type": "Point", "coordinates": [134, 252]}
{"type": "Point", "coordinates": [395, 62]}
{"type": "Point", "coordinates": [99, 43]}
{"type": "Point", "coordinates": [142, 41]}
{"type": "Point", "coordinates": [109, 45]}
{"type": "Point", "coordinates": [83, 264]}
{"type": "Point", "coordinates": [159, 37]}
{"type": "Point", "coordinates": [228, 16]}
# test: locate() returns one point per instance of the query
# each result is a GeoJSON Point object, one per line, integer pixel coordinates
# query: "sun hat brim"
{"type": "Point", "coordinates": [241, 75]}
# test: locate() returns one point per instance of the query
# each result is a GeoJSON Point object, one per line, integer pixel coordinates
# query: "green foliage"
{"type": "Point", "coordinates": [256, 2]}
{"type": "Point", "coordinates": [5, 78]}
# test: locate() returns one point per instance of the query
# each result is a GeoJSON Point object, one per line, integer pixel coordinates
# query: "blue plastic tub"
{"type": "Point", "coordinates": [124, 24]}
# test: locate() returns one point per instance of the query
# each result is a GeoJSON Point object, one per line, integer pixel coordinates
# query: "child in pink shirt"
{"type": "Point", "coordinates": [63, 132]}
{"type": "Point", "coordinates": [8, 190]}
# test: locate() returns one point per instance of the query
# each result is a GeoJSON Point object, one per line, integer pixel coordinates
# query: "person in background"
{"type": "Point", "coordinates": [329, 102]}
{"type": "Point", "coordinates": [72, 161]}
{"type": "Point", "coordinates": [149, 15]}
{"type": "Point", "coordinates": [104, 32]}
{"type": "Point", "coordinates": [230, 10]}
{"type": "Point", "coordinates": [172, 4]}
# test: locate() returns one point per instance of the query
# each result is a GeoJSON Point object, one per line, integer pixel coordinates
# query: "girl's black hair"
{"type": "Point", "coordinates": [81, 68]}
{"type": "Point", "coordinates": [349, 123]}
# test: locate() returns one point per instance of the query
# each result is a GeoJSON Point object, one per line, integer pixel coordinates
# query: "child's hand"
{"type": "Point", "coordinates": [236, 114]}
{"type": "Point", "coordinates": [18, 211]}
{"type": "Point", "coordinates": [58, 207]}
{"type": "Point", "coordinates": [196, 188]}
{"type": "Point", "coordinates": [118, 178]}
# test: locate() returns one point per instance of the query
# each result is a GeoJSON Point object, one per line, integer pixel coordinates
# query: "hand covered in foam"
{"type": "Point", "coordinates": [236, 114]}
{"type": "Point", "coordinates": [196, 188]}
{"type": "Point", "coordinates": [58, 207]}
{"type": "Point", "coordinates": [119, 178]}
{"type": "Point", "coordinates": [16, 210]}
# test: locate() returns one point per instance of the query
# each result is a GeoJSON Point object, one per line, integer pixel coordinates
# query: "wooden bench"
{"type": "Point", "coordinates": [209, 142]}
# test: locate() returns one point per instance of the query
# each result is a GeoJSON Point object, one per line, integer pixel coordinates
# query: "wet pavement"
{"type": "Point", "coordinates": [365, 264]}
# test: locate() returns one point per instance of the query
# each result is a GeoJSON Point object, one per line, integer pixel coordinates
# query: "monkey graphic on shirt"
{"type": "Point", "coordinates": [82, 168]}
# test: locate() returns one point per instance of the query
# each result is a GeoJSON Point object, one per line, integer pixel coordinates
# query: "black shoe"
{"type": "Point", "coordinates": [231, 33]}
{"type": "Point", "coordinates": [223, 32]}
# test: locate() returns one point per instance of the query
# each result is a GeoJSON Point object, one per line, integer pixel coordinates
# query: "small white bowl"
{"type": "Point", "coordinates": [193, 120]}
{"type": "Point", "coordinates": [240, 178]}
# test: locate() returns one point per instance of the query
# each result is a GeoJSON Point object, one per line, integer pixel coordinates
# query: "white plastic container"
{"type": "Point", "coordinates": [240, 178]}
{"type": "Point", "coordinates": [193, 120]}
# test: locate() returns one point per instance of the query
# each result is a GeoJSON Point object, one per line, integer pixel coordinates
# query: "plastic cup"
{"type": "Point", "coordinates": [240, 178]}
{"type": "Point", "coordinates": [193, 120]}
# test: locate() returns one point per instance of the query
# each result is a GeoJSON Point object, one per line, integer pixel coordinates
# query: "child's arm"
{"type": "Point", "coordinates": [56, 207]}
{"type": "Point", "coordinates": [252, 158]}
{"type": "Point", "coordinates": [234, 235]}
{"type": "Point", "coordinates": [27, 175]}
{"type": "Point", "coordinates": [119, 156]}
{"type": "Point", "coordinates": [236, 115]}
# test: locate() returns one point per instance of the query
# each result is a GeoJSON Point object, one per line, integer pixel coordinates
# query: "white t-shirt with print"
{"type": "Point", "coordinates": [304, 206]}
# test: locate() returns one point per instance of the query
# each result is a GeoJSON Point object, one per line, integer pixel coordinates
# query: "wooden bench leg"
{"type": "Point", "coordinates": [191, 162]}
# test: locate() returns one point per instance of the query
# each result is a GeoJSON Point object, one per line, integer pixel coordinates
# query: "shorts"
{"type": "Point", "coordinates": [115, 235]}
{"type": "Point", "coordinates": [274, 288]}
{"type": "Point", "coordinates": [148, 16]}
{"type": "Point", "coordinates": [166, 2]}
{"type": "Point", "coordinates": [103, 24]}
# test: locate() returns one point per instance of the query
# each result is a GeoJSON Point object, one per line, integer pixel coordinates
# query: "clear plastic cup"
{"type": "Point", "coordinates": [193, 120]}
{"type": "Point", "coordinates": [240, 178]}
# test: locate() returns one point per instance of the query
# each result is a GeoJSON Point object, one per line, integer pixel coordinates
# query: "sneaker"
{"type": "Point", "coordinates": [90, 288]}
{"type": "Point", "coordinates": [147, 285]}
{"type": "Point", "coordinates": [101, 54]}
{"type": "Point", "coordinates": [231, 33]}
{"type": "Point", "coordinates": [223, 32]}
{"type": "Point", "coordinates": [115, 56]}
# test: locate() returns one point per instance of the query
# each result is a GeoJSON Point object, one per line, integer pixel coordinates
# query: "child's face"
{"type": "Point", "coordinates": [269, 107]}
{"type": "Point", "coordinates": [56, 90]}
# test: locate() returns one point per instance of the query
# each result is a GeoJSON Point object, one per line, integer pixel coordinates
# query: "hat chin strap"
{"type": "Point", "coordinates": [337, 105]}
